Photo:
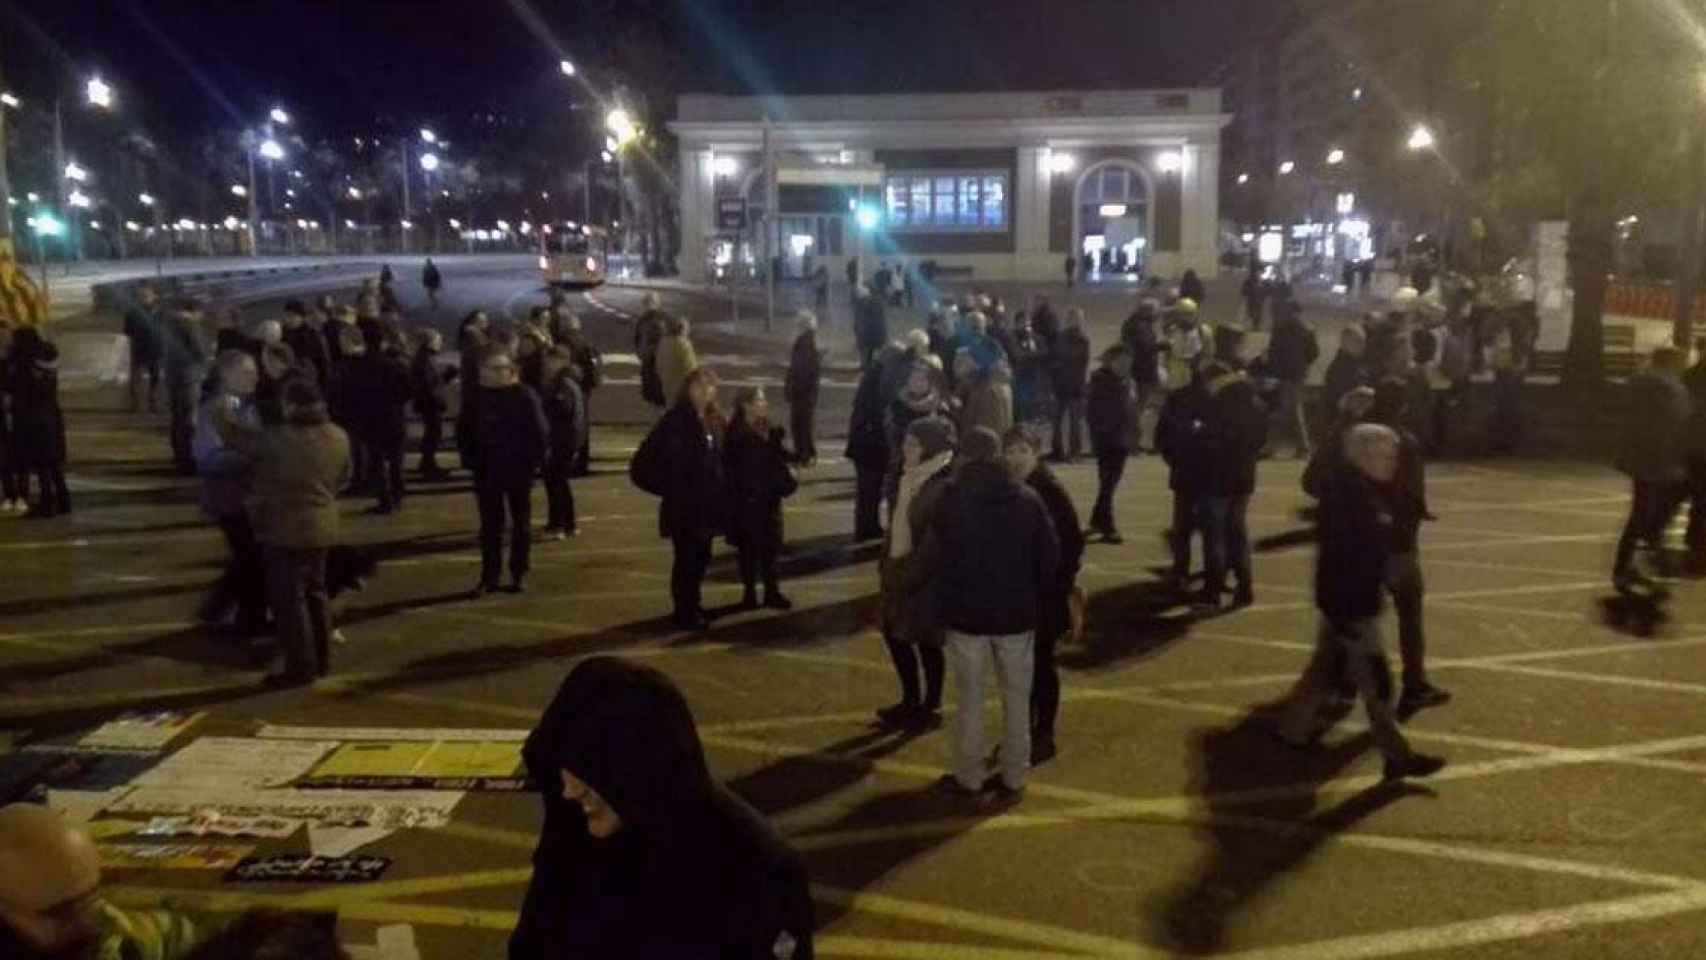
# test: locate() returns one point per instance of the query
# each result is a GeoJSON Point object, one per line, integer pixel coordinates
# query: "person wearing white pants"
{"type": "Point", "coordinates": [994, 551]}
{"type": "Point", "coordinates": [970, 656]}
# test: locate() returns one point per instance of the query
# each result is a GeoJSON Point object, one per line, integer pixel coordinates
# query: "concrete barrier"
{"type": "Point", "coordinates": [117, 294]}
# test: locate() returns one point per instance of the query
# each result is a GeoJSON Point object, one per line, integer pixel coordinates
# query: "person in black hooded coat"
{"type": "Point", "coordinates": [38, 426]}
{"type": "Point", "coordinates": [643, 855]}
{"type": "Point", "coordinates": [681, 460]}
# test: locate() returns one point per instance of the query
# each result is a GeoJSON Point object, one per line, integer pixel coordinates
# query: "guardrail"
{"type": "Point", "coordinates": [117, 294]}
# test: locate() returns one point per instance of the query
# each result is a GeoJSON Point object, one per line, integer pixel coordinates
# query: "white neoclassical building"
{"type": "Point", "coordinates": [998, 185]}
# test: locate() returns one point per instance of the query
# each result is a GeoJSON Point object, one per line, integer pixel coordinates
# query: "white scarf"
{"type": "Point", "coordinates": [911, 481]}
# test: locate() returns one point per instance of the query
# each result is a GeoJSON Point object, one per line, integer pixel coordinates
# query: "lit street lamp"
{"type": "Point", "coordinates": [428, 136]}
{"type": "Point", "coordinates": [10, 100]}
{"type": "Point", "coordinates": [75, 172]}
{"type": "Point", "coordinates": [1170, 161]}
{"type": "Point", "coordinates": [567, 68]}
{"type": "Point", "coordinates": [238, 190]}
{"type": "Point", "coordinates": [1061, 162]}
{"type": "Point", "coordinates": [1335, 157]}
{"type": "Point", "coordinates": [429, 162]}
{"type": "Point", "coordinates": [1243, 178]}
{"type": "Point", "coordinates": [277, 115]}
{"type": "Point", "coordinates": [1287, 167]}
{"type": "Point", "coordinates": [271, 150]}
{"type": "Point", "coordinates": [1421, 138]}
{"type": "Point", "coordinates": [98, 93]}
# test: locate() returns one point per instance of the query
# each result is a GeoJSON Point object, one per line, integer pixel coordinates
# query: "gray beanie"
{"type": "Point", "coordinates": [980, 444]}
{"type": "Point", "coordinates": [934, 434]}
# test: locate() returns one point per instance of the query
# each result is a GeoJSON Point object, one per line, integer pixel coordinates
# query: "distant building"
{"type": "Point", "coordinates": [1003, 186]}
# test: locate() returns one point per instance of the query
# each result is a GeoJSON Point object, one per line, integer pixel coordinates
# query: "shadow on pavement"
{"type": "Point", "coordinates": [1253, 844]}
{"type": "Point", "coordinates": [1134, 621]}
{"type": "Point", "coordinates": [21, 607]}
{"type": "Point", "coordinates": [798, 628]}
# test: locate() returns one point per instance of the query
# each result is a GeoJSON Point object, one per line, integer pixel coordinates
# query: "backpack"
{"type": "Point", "coordinates": [647, 470]}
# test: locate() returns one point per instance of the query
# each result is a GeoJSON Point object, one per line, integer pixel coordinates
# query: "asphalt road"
{"type": "Point", "coordinates": [1568, 824]}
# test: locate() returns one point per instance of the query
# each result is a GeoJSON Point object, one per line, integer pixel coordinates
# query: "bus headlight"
{"type": "Point", "coordinates": [544, 264]}
{"type": "Point", "coordinates": [592, 265]}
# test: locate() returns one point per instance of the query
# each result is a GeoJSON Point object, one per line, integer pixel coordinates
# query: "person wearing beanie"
{"type": "Point", "coordinates": [994, 555]}
{"type": "Point", "coordinates": [298, 467]}
{"type": "Point", "coordinates": [911, 631]}
{"type": "Point", "coordinates": [1351, 567]}
{"type": "Point", "coordinates": [759, 479]}
{"type": "Point", "coordinates": [1022, 449]}
{"type": "Point", "coordinates": [643, 853]}
{"type": "Point", "coordinates": [805, 373]}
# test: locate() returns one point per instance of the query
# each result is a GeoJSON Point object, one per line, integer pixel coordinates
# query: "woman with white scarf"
{"type": "Point", "coordinates": [910, 631]}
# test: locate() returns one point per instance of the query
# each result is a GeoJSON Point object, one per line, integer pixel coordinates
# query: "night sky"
{"type": "Point", "coordinates": [184, 66]}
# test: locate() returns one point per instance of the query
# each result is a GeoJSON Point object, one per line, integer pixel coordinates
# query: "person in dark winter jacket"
{"type": "Point", "coordinates": [1238, 427]}
{"type": "Point", "coordinates": [1655, 445]}
{"type": "Point", "coordinates": [1111, 412]}
{"type": "Point", "coordinates": [870, 326]}
{"type": "Point", "coordinates": [1695, 380]}
{"type": "Point", "coordinates": [1069, 361]}
{"type": "Point", "coordinates": [648, 333]}
{"type": "Point", "coordinates": [681, 460]}
{"type": "Point", "coordinates": [1044, 323]}
{"type": "Point", "coordinates": [380, 390]}
{"type": "Point", "coordinates": [432, 280]}
{"type": "Point", "coordinates": [530, 346]}
{"type": "Point", "coordinates": [1292, 350]}
{"type": "Point", "coordinates": [643, 855]}
{"type": "Point", "coordinates": [805, 373]}
{"type": "Point", "coordinates": [307, 343]}
{"type": "Point", "coordinates": [503, 438]}
{"type": "Point", "coordinates": [759, 480]}
{"type": "Point", "coordinates": [1404, 569]}
{"type": "Point", "coordinates": [589, 365]}
{"type": "Point", "coordinates": [1346, 372]}
{"type": "Point", "coordinates": [1022, 449]}
{"type": "Point", "coordinates": [911, 630]}
{"type": "Point", "coordinates": [1350, 578]}
{"type": "Point", "coordinates": [142, 323]}
{"type": "Point", "coordinates": [346, 402]}
{"type": "Point", "coordinates": [38, 426]}
{"type": "Point", "coordinates": [919, 398]}
{"type": "Point", "coordinates": [1191, 287]}
{"type": "Point", "coordinates": [565, 411]}
{"type": "Point", "coordinates": [14, 483]}
{"type": "Point", "coordinates": [472, 337]}
{"type": "Point", "coordinates": [182, 358]}
{"type": "Point", "coordinates": [996, 557]}
{"type": "Point", "coordinates": [1141, 334]}
{"type": "Point", "coordinates": [278, 366]}
{"type": "Point", "coordinates": [1184, 438]}
{"type": "Point", "coordinates": [868, 449]}
{"type": "Point", "coordinates": [1031, 387]}
{"type": "Point", "coordinates": [430, 385]}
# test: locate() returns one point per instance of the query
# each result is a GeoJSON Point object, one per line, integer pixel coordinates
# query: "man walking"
{"type": "Point", "coordinates": [805, 365]}
{"type": "Point", "coordinates": [1292, 350]}
{"type": "Point", "coordinates": [142, 327]}
{"type": "Point", "coordinates": [1112, 419]}
{"type": "Point", "coordinates": [1654, 445]}
{"type": "Point", "coordinates": [997, 555]}
{"type": "Point", "coordinates": [1350, 575]}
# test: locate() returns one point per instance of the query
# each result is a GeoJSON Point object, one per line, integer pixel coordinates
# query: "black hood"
{"type": "Point", "coordinates": [987, 480]}
{"type": "Point", "coordinates": [626, 731]}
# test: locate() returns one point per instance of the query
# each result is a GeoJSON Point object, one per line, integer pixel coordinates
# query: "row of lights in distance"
{"type": "Point", "coordinates": [1421, 138]}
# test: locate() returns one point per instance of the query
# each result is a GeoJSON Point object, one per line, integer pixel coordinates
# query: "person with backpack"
{"type": "Point", "coordinates": [1292, 351]}
{"type": "Point", "coordinates": [565, 412]}
{"type": "Point", "coordinates": [758, 480]}
{"type": "Point", "coordinates": [681, 461]}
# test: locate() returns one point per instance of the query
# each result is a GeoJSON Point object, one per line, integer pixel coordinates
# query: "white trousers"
{"type": "Point", "coordinates": [970, 657]}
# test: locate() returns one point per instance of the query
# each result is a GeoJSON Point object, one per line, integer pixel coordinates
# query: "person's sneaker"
{"type": "Point", "coordinates": [482, 589]}
{"type": "Point", "coordinates": [1206, 600]}
{"type": "Point", "coordinates": [1112, 537]}
{"type": "Point", "coordinates": [1422, 697]}
{"type": "Point", "coordinates": [1243, 597]}
{"type": "Point", "coordinates": [1042, 748]}
{"type": "Point", "coordinates": [951, 785]}
{"type": "Point", "coordinates": [1415, 765]}
{"type": "Point", "coordinates": [899, 714]}
{"type": "Point", "coordinates": [9, 506]}
{"type": "Point", "coordinates": [776, 601]}
{"type": "Point", "coordinates": [1000, 794]}
{"type": "Point", "coordinates": [339, 638]}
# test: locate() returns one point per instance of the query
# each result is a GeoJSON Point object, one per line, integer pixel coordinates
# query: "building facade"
{"type": "Point", "coordinates": [997, 186]}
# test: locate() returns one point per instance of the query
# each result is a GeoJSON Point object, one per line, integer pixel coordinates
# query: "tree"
{"type": "Point", "coordinates": [1572, 108]}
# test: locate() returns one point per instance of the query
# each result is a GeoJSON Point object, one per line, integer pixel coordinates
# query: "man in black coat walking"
{"type": "Point", "coordinates": [1350, 580]}
{"type": "Point", "coordinates": [503, 438]}
{"type": "Point", "coordinates": [868, 448]}
{"type": "Point", "coordinates": [1655, 442]}
{"type": "Point", "coordinates": [1111, 413]}
{"type": "Point", "coordinates": [643, 854]}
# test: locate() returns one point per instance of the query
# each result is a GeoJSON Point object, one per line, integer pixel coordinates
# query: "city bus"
{"type": "Point", "coordinates": [573, 255]}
